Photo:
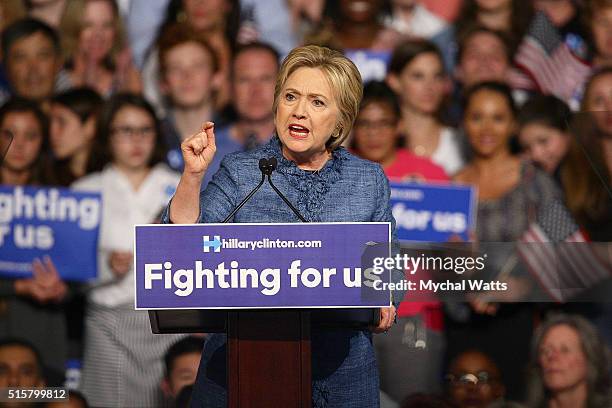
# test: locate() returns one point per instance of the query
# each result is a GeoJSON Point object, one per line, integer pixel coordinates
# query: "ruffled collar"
{"type": "Point", "coordinates": [312, 186]}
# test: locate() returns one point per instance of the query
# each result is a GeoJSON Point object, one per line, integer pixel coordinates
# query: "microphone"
{"type": "Point", "coordinates": [266, 166]}
{"type": "Point", "coordinates": [271, 167]}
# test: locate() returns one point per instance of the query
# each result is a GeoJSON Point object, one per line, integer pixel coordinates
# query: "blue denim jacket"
{"type": "Point", "coordinates": [345, 189]}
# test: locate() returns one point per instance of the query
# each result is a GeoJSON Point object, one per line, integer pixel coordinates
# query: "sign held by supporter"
{"type": "Point", "coordinates": [54, 222]}
{"type": "Point", "coordinates": [433, 212]}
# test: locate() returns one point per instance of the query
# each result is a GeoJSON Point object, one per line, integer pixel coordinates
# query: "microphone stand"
{"type": "Point", "coordinates": [266, 166]}
{"type": "Point", "coordinates": [272, 162]}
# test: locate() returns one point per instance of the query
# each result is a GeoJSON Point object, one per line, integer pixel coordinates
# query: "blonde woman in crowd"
{"type": "Point", "coordinates": [96, 50]}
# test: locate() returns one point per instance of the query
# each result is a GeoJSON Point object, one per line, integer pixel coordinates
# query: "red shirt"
{"type": "Point", "coordinates": [407, 166]}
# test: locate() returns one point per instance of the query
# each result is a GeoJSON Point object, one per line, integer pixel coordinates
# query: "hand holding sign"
{"type": "Point", "coordinates": [45, 286]}
{"type": "Point", "coordinates": [120, 262]}
{"type": "Point", "coordinates": [199, 150]}
{"type": "Point", "coordinates": [46, 275]}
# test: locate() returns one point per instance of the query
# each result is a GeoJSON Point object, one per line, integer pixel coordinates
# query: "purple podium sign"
{"type": "Point", "coordinates": [235, 266]}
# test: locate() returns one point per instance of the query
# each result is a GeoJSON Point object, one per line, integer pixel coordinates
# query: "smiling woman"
{"type": "Point", "coordinates": [316, 100]}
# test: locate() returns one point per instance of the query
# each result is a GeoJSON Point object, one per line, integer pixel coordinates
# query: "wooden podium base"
{"type": "Point", "coordinates": [269, 358]}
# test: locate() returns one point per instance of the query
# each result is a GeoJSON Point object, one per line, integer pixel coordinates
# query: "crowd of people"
{"type": "Point", "coordinates": [98, 95]}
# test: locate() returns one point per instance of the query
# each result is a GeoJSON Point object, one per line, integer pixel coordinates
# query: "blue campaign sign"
{"type": "Point", "coordinates": [432, 212]}
{"type": "Point", "coordinates": [54, 222]}
{"type": "Point", "coordinates": [211, 266]}
{"type": "Point", "coordinates": [372, 65]}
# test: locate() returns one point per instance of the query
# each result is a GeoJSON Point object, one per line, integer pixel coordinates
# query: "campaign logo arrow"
{"type": "Point", "coordinates": [208, 243]}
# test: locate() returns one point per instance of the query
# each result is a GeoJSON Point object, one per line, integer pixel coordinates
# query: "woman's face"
{"type": "Point", "coordinates": [132, 138]}
{"type": "Point", "coordinates": [421, 85]}
{"type": "Point", "coordinates": [306, 116]}
{"type": "Point", "coordinates": [68, 135]}
{"type": "Point", "coordinates": [601, 27]}
{"type": "Point", "coordinates": [488, 122]}
{"type": "Point", "coordinates": [376, 132]}
{"type": "Point", "coordinates": [563, 363]}
{"type": "Point", "coordinates": [598, 99]}
{"type": "Point", "coordinates": [206, 15]}
{"type": "Point", "coordinates": [98, 32]}
{"type": "Point", "coordinates": [27, 140]}
{"type": "Point", "coordinates": [545, 145]}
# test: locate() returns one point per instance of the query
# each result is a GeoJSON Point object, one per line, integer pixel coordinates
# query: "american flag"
{"type": "Point", "coordinates": [548, 62]}
{"type": "Point", "coordinates": [558, 255]}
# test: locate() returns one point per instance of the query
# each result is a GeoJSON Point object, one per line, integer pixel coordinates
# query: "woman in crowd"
{"type": "Point", "coordinates": [570, 365]}
{"type": "Point", "coordinates": [544, 123]}
{"type": "Point", "coordinates": [316, 100]}
{"type": "Point", "coordinates": [74, 116]}
{"type": "Point", "coordinates": [416, 74]}
{"type": "Point", "coordinates": [31, 307]}
{"type": "Point", "coordinates": [122, 364]}
{"type": "Point", "coordinates": [97, 52]}
{"type": "Point", "coordinates": [586, 173]}
{"type": "Point", "coordinates": [598, 100]}
{"type": "Point", "coordinates": [376, 138]}
{"type": "Point", "coordinates": [508, 189]}
{"type": "Point", "coordinates": [502, 178]}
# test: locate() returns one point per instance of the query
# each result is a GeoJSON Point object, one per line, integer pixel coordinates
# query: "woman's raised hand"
{"type": "Point", "coordinates": [199, 150]}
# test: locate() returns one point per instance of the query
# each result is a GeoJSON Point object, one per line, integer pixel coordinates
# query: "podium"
{"type": "Point", "coordinates": [269, 349]}
{"type": "Point", "coordinates": [268, 352]}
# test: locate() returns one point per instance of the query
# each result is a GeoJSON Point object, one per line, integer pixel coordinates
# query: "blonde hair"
{"type": "Point", "coordinates": [342, 75]}
{"type": "Point", "coordinates": [71, 26]}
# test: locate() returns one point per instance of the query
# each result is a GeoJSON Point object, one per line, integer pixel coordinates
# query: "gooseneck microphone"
{"type": "Point", "coordinates": [272, 166]}
{"type": "Point", "coordinates": [266, 166]}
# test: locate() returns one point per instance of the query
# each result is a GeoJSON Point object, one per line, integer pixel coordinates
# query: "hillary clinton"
{"type": "Point", "coordinates": [316, 101]}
